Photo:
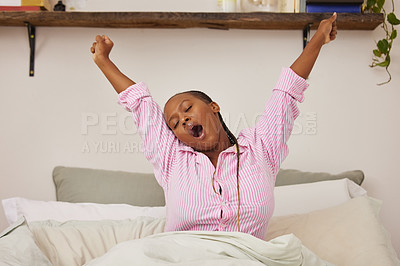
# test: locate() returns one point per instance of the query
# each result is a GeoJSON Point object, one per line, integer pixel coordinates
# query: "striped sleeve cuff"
{"type": "Point", "coordinates": [130, 98]}
{"type": "Point", "coordinates": [292, 84]}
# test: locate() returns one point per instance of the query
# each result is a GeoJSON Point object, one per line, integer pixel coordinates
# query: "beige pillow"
{"type": "Point", "coordinates": [348, 234]}
{"type": "Point", "coordinates": [75, 184]}
{"type": "Point", "coordinates": [78, 242]}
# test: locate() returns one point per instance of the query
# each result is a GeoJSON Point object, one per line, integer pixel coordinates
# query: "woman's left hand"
{"type": "Point", "coordinates": [328, 29]}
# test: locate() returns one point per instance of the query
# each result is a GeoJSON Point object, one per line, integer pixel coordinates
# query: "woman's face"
{"type": "Point", "coordinates": [194, 122]}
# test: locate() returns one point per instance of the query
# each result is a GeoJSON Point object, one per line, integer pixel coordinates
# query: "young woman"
{"type": "Point", "coordinates": [211, 179]}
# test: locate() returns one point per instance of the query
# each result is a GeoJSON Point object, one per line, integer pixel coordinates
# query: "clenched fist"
{"type": "Point", "coordinates": [101, 48]}
{"type": "Point", "coordinates": [328, 29]}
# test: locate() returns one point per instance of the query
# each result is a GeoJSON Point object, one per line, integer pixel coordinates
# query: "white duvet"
{"type": "Point", "coordinates": [209, 248]}
{"type": "Point", "coordinates": [350, 234]}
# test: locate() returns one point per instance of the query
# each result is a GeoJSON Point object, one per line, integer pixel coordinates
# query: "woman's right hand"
{"type": "Point", "coordinates": [101, 48]}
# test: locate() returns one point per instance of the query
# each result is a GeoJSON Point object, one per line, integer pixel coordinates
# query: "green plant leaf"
{"type": "Point", "coordinates": [380, 3]}
{"type": "Point", "coordinates": [383, 64]}
{"type": "Point", "coordinates": [370, 3]}
{"type": "Point", "coordinates": [376, 9]}
{"type": "Point", "coordinates": [381, 56]}
{"type": "Point", "coordinates": [383, 46]}
{"type": "Point", "coordinates": [393, 19]}
{"type": "Point", "coordinates": [385, 42]}
{"type": "Point", "coordinates": [377, 53]}
{"type": "Point", "coordinates": [393, 35]}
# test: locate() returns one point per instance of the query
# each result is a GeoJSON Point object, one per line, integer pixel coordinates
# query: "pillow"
{"type": "Point", "coordinates": [78, 242]}
{"type": "Point", "coordinates": [18, 247]}
{"type": "Point", "coordinates": [292, 199]}
{"type": "Point", "coordinates": [303, 198]}
{"type": "Point", "coordinates": [290, 177]}
{"type": "Point", "coordinates": [104, 186]}
{"type": "Point", "coordinates": [35, 210]}
{"type": "Point", "coordinates": [350, 234]}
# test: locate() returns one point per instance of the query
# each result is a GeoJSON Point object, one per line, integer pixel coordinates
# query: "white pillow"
{"type": "Point", "coordinates": [304, 198]}
{"type": "Point", "coordinates": [35, 210]}
{"type": "Point", "coordinates": [291, 199]}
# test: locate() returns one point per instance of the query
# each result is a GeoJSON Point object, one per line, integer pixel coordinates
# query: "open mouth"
{"type": "Point", "coordinates": [196, 131]}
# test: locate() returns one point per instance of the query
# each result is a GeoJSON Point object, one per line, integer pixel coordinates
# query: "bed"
{"type": "Point", "coordinates": [104, 217]}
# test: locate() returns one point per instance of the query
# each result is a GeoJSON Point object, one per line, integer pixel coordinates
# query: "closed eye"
{"type": "Point", "coordinates": [177, 123]}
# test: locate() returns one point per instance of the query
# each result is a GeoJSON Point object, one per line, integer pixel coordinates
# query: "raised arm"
{"type": "Point", "coordinates": [275, 125]}
{"type": "Point", "coordinates": [159, 143]}
{"type": "Point", "coordinates": [101, 49]}
{"type": "Point", "coordinates": [326, 32]}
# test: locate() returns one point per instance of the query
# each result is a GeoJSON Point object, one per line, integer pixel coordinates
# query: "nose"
{"type": "Point", "coordinates": [185, 119]}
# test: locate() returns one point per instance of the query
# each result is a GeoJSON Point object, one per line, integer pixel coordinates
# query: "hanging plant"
{"type": "Point", "coordinates": [381, 56]}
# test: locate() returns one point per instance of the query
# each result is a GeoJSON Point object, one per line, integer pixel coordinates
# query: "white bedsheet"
{"type": "Point", "coordinates": [209, 248]}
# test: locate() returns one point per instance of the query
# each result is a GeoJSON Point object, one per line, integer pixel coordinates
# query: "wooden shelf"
{"type": "Point", "coordinates": [257, 20]}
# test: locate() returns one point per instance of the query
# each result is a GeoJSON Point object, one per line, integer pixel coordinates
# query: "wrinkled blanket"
{"type": "Point", "coordinates": [209, 248]}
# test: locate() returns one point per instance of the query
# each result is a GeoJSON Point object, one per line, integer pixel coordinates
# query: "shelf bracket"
{"type": "Point", "coordinates": [306, 35]}
{"type": "Point", "coordinates": [32, 40]}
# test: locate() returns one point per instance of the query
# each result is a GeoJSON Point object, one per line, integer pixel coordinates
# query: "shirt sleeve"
{"type": "Point", "coordinates": [276, 123]}
{"type": "Point", "coordinates": [159, 142]}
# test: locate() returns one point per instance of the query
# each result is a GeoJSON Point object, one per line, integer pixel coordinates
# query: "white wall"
{"type": "Point", "coordinates": [43, 118]}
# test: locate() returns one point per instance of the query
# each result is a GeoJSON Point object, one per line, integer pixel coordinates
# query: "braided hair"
{"type": "Point", "coordinates": [233, 140]}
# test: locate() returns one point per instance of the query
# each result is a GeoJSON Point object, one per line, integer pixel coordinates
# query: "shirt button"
{"type": "Point", "coordinates": [223, 225]}
{"type": "Point", "coordinates": [223, 203]}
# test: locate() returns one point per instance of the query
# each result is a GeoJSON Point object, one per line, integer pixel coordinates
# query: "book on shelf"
{"type": "Point", "coordinates": [20, 8]}
{"type": "Point", "coordinates": [26, 5]}
{"type": "Point", "coordinates": [334, 7]}
{"type": "Point", "coordinates": [344, 2]}
{"type": "Point", "coordinates": [289, 6]}
{"type": "Point", "coordinates": [10, 2]}
{"type": "Point", "coordinates": [339, 6]}
{"type": "Point", "coordinates": [302, 6]}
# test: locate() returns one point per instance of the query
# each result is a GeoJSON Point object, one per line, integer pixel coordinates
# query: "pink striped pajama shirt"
{"type": "Point", "coordinates": [186, 175]}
